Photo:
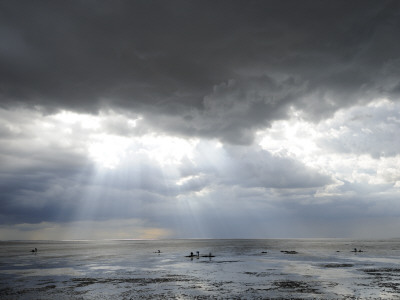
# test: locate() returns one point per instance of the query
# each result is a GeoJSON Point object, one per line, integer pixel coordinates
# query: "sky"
{"type": "Point", "coordinates": [199, 119]}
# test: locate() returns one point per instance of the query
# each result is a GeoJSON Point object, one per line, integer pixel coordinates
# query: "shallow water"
{"type": "Point", "coordinates": [311, 268]}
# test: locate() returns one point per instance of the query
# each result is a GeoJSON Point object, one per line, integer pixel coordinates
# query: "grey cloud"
{"type": "Point", "coordinates": [250, 169]}
{"type": "Point", "coordinates": [211, 71]}
{"type": "Point", "coordinates": [69, 188]}
{"type": "Point", "coordinates": [255, 167]}
{"type": "Point", "coordinates": [235, 109]}
{"type": "Point", "coordinates": [163, 59]}
{"type": "Point", "coordinates": [349, 208]}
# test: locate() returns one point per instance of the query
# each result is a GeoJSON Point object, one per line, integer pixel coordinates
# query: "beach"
{"type": "Point", "coordinates": [241, 269]}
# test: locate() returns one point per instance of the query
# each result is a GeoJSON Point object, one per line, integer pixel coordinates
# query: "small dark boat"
{"type": "Point", "coordinates": [209, 255]}
{"type": "Point", "coordinates": [355, 250]}
{"type": "Point", "coordinates": [192, 255]}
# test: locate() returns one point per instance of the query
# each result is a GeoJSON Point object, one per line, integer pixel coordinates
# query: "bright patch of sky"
{"type": "Point", "coordinates": [349, 146]}
{"type": "Point", "coordinates": [190, 177]}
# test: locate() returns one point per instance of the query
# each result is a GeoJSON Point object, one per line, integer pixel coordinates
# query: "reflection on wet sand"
{"type": "Point", "coordinates": [240, 269]}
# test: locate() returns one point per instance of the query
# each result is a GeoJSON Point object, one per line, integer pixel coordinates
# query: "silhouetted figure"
{"type": "Point", "coordinates": [34, 250]}
{"type": "Point", "coordinates": [192, 255]}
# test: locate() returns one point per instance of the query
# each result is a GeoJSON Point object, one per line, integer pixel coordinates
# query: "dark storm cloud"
{"type": "Point", "coordinates": [208, 68]}
{"type": "Point", "coordinates": [218, 74]}
{"type": "Point", "coordinates": [43, 187]}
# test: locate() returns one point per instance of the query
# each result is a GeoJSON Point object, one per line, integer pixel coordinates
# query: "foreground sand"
{"type": "Point", "coordinates": [242, 271]}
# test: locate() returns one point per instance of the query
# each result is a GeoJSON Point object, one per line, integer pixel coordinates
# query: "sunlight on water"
{"type": "Point", "coordinates": [274, 269]}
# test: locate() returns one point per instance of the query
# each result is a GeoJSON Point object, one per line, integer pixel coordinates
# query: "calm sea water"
{"type": "Point", "coordinates": [241, 269]}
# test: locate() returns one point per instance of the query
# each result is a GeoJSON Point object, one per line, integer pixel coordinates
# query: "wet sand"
{"type": "Point", "coordinates": [241, 271]}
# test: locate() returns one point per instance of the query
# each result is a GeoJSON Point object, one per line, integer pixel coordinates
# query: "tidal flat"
{"type": "Point", "coordinates": [240, 269]}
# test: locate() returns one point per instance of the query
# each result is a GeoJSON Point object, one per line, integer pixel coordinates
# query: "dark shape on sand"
{"type": "Point", "coordinates": [355, 250]}
{"type": "Point", "coordinates": [337, 265]}
{"type": "Point", "coordinates": [192, 255]}
{"type": "Point", "coordinates": [198, 255]}
{"type": "Point", "coordinates": [209, 255]}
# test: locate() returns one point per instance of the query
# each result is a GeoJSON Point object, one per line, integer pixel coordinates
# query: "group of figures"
{"type": "Point", "coordinates": [355, 250]}
{"type": "Point", "coordinates": [198, 255]}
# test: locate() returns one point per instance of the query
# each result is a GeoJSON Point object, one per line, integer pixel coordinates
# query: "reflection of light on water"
{"type": "Point", "coordinates": [107, 269]}
{"type": "Point", "coordinates": [238, 270]}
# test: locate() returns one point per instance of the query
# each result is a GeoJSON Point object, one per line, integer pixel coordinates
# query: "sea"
{"type": "Point", "coordinates": [237, 269]}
